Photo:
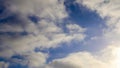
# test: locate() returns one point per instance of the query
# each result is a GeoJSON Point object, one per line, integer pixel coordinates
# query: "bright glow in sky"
{"type": "Point", "coordinates": [116, 53]}
{"type": "Point", "coordinates": [59, 34]}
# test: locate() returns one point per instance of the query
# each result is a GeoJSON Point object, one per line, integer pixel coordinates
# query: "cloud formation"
{"type": "Point", "coordinates": [106, 59]}
{"type": "Point", "coordinates": [19, 35]}
{"type": "Point", "coordinates": [109, 56]}
{"type": "Point", "coordinates": [108, 10]}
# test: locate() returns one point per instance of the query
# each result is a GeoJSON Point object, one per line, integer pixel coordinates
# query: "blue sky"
{"type": "Point", "coordinates": [87, 19]}
{"type": "Point", "coordinates": [49, 34]}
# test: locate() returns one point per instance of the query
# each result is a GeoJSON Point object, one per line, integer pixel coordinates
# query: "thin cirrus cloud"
{"type": "Point", "coordinates": [21, 35]}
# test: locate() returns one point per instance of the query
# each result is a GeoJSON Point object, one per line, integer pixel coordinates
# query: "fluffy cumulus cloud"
{"type": "Point", "coordinates": [29, 24]}
{"type": "Point", "coordinates": [36, 60]}
{"type": "Point", "coordinates": [18, 32]}
{"type": "Point", "coordinates": [107, 58]}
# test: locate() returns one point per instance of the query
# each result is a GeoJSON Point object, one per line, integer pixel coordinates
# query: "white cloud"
{"type": "Point", "coordinates": [78, 60]}
{"type": "Point", "coordinates": [108, 10]}
{"type": "Point", "coordinates": [47, 34]}
{"type": "Point", "coordinates": [31, 59]}
{"type": "Point", "coordinates": [36, 60]}
{"type": "Point", "coordinates": [74, 28]}
{"type": "Point", "coordinates": [112, 7]}
{"type": "Point", "coordinates": [107, 58]}
{"type": "Point", "coordinates": [51, 9]}
{"type": "Point", "coordinates": [44, 34]}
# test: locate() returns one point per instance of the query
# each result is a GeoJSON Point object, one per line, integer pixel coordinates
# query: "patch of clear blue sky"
{"type": "Point", "coordinates": [34, 18]}
{"type": "Point", "coordinates": [11, 62]}
{"type": "Point", "coordinates": [86, 18]}
{"type": "Point", "coordinates": [1, 7]}
{"type": "Point", "coordinates": [17, 65]}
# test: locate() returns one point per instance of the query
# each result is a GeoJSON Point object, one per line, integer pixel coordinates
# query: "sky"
{"type": "Point", "coordinates": [59, 34]}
